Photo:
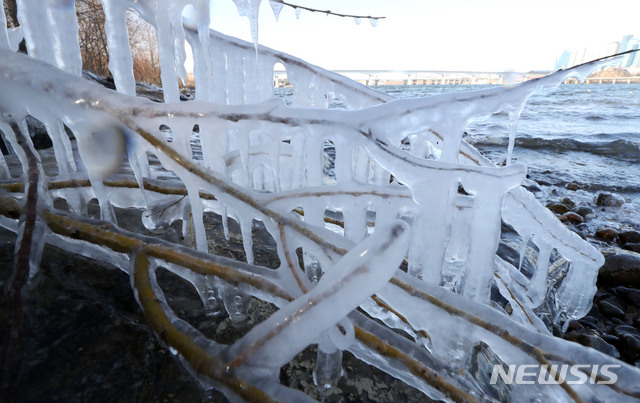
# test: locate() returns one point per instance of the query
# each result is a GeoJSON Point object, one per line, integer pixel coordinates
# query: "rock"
{"type": "Point", "coordinates": [480, 363]}
{"type": "Point", "coordinates": [591, 339]}
{"type": "Point", "coordinates": [38, 133]}
{"type": "Point", "coordinates": [621, 269]}
{"type": "Point", "coordinates": [572, 218]}
{"type": "Point", "coordinates": [568, 202]}
{"type": "Point", "coordinates": [532, 188]}
{"type": "Point", "coordinates": [625, 330]}
{"type": "Point", "coordinates": [573, 186]}
{"type": "Point", "coordinates": [611, 309]}
{"type": "Point", "coordinates": [608, 200]}
{"type": "Point", "coordinates": [631, 295]}
{"type": "Point", "coordinates": [633, 247]}
{"type": "Point", "coordinates": [606, 234]}
{"type": "Point", "coordinates": [629, 237]}
{"type": "Point", "coordinates": [584, 211]}
{"type": "Point", "coordinates": [558, 208]}
{"type": "Point", "coordinates": [629, 342]}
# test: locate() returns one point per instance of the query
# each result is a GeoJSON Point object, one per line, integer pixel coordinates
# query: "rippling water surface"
{"type": "Point", "coordinates": [589, 134]}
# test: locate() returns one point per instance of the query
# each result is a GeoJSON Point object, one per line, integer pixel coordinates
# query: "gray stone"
{"type": "Point", "coordinates": [558, 208]}
{"type": "Point", "coordinates": [631, 295]}
{"type": "Point", "coordinates": [583, 210]}
{"type": "Point", "coordinates": [633, 247]}
{"type": "Point", "coordinates": [591, 339]}
{"type": "Point", "coordinates": [606, 234]}
{"type": "Point", "coordinates": [621, 269]}
{"type": "Point", "coordinates": [629, 237]}
{"type": "Point", "coordinates": [608, 200]}
{"type": "Point", "coordinates": [610, 308]}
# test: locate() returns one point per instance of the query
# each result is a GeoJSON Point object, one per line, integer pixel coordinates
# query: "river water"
{"type": "Point", "coordinates": [587, 135]}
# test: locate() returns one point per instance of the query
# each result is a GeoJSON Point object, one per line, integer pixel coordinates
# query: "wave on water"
{"type": "Point", "coordinates": [618, 149]}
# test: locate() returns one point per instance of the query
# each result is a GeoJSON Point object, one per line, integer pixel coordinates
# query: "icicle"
{"type": "Point", "coordinates": [373, 22]}
{"type": "Point", "coordinates": [66, 47]}
{"type": "Point", "coordinates": [357, 20]}
{"type": "Point", "coordinates": [514, 116]}
{"type": "Point", "coordinates": [327, 368]}
{"type": "Point", "coordinates": [197, 218]}
{"type": "Point", "coordinates": [236, 303]}
{"type": "Point", "coordinates": [246, 229]}
{"type": "Point", "coordinates": [4, 33]}
{"type": "Point", "coordinates": [298, 11]}
{"type": "Point", "coordinates": [209, 290]}
{"type": "Point", "coordinates": [523, 250]}
{"type": "Point", "coordinates": [538, 286]}
{"type": "Point", "coordinates": [311, 267]}
{"type": "Point", "coordinates": [250, 9]}
{"type": "Point", "coordinates": [276, 6]}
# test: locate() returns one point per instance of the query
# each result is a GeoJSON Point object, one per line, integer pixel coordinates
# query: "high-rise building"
{"type": "Point", "coordinates": [572, 57]}
{"type": "Point", "coordinates": [564, 60]}
{"type": "Point", "coordinates": [629, 60]}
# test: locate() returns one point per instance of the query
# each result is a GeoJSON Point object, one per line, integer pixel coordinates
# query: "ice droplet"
{"type": "Point", "coordinates": [373, 22]}
{"type": "Point", "coordinates": [358, 20]}
{"type": "Point", "coordinates": [298, 11]}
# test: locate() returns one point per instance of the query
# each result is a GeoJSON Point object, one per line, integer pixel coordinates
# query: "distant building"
{"type": "Point", "coordinates": [629, 60]}
{"type": "Point", "coordinates": [572, 57]}
{"type": "Point", "coordinates": [564, 61]}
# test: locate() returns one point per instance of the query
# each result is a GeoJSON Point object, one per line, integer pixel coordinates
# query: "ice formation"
{"type": "Point", "coordinates": [400, 238]}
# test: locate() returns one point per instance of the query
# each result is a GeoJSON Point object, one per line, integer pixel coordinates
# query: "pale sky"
{"type": "Point", "coordinates": [493, 35]}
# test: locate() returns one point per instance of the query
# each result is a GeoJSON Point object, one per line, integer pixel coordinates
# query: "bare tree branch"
{"type": "Point", "coordinates": [328, 12]}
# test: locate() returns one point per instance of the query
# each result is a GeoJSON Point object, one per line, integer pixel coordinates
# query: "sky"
{"type": "Point", "coordinates": [493, 35]}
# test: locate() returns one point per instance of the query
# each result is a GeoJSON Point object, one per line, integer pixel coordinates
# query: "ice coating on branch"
{"type": "Point", "coordinates": [356, 276]}
{"type": "Point", "coordinates": [327, 187]}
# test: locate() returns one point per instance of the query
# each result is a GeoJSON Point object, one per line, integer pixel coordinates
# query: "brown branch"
{"type": "Point", "coordinates": [12, 360]}
{"type": "Point", "coordinates": [199, 359]}
{"type": "Point", "coordinates": [290, 263]}
{"type": "Point", "coordinates": [328, 12]}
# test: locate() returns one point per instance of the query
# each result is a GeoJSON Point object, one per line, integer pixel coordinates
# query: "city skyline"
{"type": "Point", "coordinates": [631, 61]}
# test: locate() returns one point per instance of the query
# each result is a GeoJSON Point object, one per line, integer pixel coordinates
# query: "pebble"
{"type": "Point", "coordinates": [532, 188]}
{"type": "Point", "coordinates": [573, 186]}
{"type": "Point", "coordinates": [631, 295]}
{"type": "Point", "coordinates": [608, 200]}
{"type": "Point", "coordinates": [572, 218]}
{"type": "Point", "coordinates": [629, 237]}
{"type": "Point", "coordinates": [584, 211]}
{"type": "Point", "coordinates": [568, 202]}
{"type": "Point", "coordinates": [621, 269]}
{"type": "Point", "coordinates": [633, 247]}
{"type": "Point", "coordinates": [629, 341]}
{"type": "Point", "coordinates": [558, 208]}
{"type": "Point", "coordinates": [591, 339]}
{"type": "Point", "coordinates": [606, 234]}
{"type": "Point", "coordinates": [609, 308]}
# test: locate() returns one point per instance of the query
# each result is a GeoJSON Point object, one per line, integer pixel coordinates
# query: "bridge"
{"type": "Point", "coordinates": [424, 77]}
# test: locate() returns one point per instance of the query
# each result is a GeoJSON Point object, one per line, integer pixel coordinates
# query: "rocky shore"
{"type": "Point", "coordinates": [611, 223]}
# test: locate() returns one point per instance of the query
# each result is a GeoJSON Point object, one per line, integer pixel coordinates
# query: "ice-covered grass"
{"type": "Point", "coordinates": [398, 238]}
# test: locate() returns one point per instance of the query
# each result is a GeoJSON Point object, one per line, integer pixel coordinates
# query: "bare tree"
{"type": "Point", "coordinates": [92, 37]}
{"type": "Point", "coordinates": [93, 42]}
